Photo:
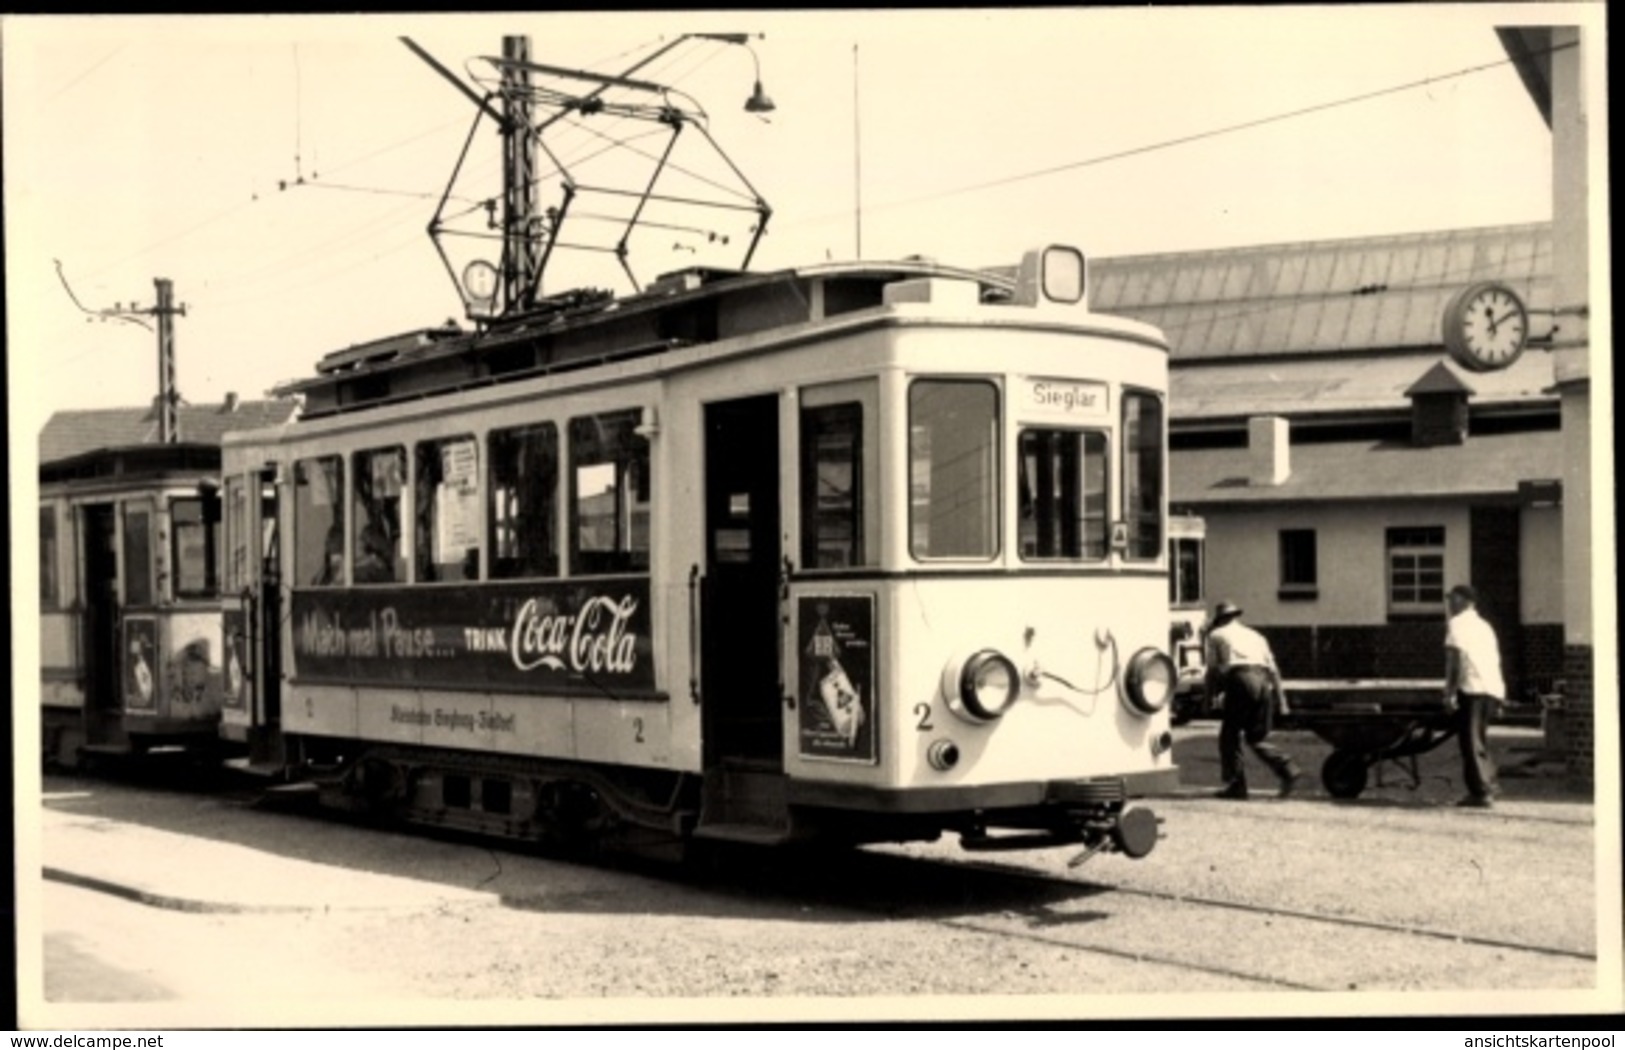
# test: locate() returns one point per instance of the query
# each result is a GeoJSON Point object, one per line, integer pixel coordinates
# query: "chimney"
{"type": "Point", "coordinates": [1269, 450]}
{"type": "Point", "coordinates": [231, 403]}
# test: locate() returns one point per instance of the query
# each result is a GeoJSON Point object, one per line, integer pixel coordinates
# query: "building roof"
{"type": "Point", "coordinates": [1486, 465]}
{"type": "Point", "coordinates": [1353, 385]}
{"type": "Point", "coordinates": [77, 431]}
{"type": "Point", "coordinates": [1318, 297]}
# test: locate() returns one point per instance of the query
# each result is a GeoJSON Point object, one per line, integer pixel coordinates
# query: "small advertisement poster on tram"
{"type": "Point", "coordinates": [140, 663]}
{"type": "Point", "coordinates": [581, 638]}
{"type": "Point", "coordinates": [836, 715]}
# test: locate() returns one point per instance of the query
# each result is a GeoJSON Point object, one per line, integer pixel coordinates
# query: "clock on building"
{"type": "Point", "coordinates": [1485, 326]}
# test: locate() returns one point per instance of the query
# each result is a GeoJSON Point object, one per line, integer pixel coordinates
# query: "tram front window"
{"type": "Point", "coordinates": [1063, 494]}
{"type": "Point", "coordinates": [195, 537]}
{"type": "Point", "coordinates": [953, 468]}
{"type": "Point", "coordinates": [1142, 473]}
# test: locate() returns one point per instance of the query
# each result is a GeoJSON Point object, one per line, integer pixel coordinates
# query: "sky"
{"type": "Point", "coordinates": [175, 146]}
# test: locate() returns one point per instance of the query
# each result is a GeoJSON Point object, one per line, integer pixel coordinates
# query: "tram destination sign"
{"type": "Point", "coordinates": [1063, 399]}
{"type": "Point", "coordinates": [579, 637]}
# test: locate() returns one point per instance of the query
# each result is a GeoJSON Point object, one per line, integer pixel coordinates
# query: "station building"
{"type": "Point", "coordinates": [1350, 470]}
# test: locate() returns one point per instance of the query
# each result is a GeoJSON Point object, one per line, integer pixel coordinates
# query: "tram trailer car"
{"type": "Point", "coordinates": [130, 635]}
{"type": "Point", "coordinates": [859, 552]}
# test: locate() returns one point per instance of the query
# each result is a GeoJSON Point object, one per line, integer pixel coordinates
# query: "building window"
{"type": "Point", "coordinates": [1063, 494]}
{"type": "Point", "coordinates": [318, 521]}
{"type": "Point", "coordinates": [447, 491]}
{"type": "Point", "coordinates": [832, 486]}
{"type": "Point", "coordinates": [524, 502]}
{"type": "Point", "coordinates": [1416, 570]}
{"type": "Point", "coordinates": [380, 481]}
{"type": "Point", "coordinates": [609, 493]}
{"type": "Point", "coordinates": [1299, 574]}
{"type": "Point", "coordinates": [953, 469]}
{"type": "Point", "coordinates": [194, 537]}
{"type": "Point", "coordinates": [1143, 441]}
{"type": "Point", "coordinates": [48, 597]}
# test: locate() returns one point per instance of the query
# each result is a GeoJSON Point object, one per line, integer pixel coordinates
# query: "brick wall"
{"type": "Point", "coordinates": [1395, 650]}
{"type": "Point", "coordinates": [1542, 659]}
{"type": "Point", "coordinates": [1532, 656]}
{"type": "Point", "coordinates": [1581, 713]}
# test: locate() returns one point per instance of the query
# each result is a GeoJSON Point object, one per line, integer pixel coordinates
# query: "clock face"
{"type": "Point", "coordinates": [1486, 327]}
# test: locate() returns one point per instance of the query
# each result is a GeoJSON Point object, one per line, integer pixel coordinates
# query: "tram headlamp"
{"type": "Point", "coordinates": [1150, 681]}
{"type": "Point", "coordinates": [988, 684]}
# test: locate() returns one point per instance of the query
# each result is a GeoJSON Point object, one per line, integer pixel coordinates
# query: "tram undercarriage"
{"type": "Point", "coordinates": [582, 807]}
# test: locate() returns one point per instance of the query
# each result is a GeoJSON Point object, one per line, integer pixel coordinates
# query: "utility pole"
{"type": "Point", "coordinates": [169, 427]}
{"type": "Point", "coordinates": [169, 424]}
{"type": "Point", "coordinates": [521, 268]}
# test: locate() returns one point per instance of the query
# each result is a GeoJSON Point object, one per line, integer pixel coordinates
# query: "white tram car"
{"type": "Point", "coordinates": [857, 552]}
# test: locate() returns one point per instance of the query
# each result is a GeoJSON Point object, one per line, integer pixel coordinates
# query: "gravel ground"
{"type": "Point", "coordinates": [784, 938]}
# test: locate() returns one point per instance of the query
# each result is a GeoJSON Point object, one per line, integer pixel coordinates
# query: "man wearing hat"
{"type": "Point", "coordinates": [1242, 667]}
{"type": "Point", "coordinates": [1472, 686]}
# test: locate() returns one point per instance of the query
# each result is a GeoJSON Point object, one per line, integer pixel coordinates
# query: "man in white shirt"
{"type": "Point", "coordinates": [1241, 665]}
{"type": "Point", "coordinates": [1472, 685]}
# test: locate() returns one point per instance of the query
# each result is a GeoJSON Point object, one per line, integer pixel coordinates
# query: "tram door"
{"type": "Point", "coordinates": [104, 688]}
{"type": "Point", "coordinates": [740, 627]}
{"type": "Point", "coordinates": [267, 624]}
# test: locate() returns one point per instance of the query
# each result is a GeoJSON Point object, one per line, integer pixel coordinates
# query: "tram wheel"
{"type": "Point", "coordinates": [1344, 774]}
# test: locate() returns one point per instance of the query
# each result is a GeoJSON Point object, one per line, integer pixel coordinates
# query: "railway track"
{"type": "Point", "coordinates": [1227, 943]}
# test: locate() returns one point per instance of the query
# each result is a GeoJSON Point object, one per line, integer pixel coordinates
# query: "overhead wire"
{"type": "Point", "coordinates": [1181, 140]}
{"type": "Point", "coordinates": [699, 60]}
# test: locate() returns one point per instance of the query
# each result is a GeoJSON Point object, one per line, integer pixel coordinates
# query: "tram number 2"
{"type": "Point", "coordinates": [637, 730]}
{"type": "Point", "coordinates": [923, 713]}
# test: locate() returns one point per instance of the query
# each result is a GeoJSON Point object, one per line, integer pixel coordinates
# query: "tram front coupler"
{"type": "Point", "coordinates": [1134, 834]}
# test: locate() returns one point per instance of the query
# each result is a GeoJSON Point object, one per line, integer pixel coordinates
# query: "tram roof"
{"type": "Point", "coordinates": [133, 461]}
{"type": "Point", "coordinates": [584, 327]}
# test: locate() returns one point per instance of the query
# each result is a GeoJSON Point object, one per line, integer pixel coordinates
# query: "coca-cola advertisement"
{"type": "Point", "coordinates": [576, 637]}
{"type": "Point", "coordinates": [837, 709]}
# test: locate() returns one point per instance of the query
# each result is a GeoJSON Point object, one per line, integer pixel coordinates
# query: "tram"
{"type": "Point", "coordinates": [853, 552]}
{"type": "Point", "coordinates": [130, 631]}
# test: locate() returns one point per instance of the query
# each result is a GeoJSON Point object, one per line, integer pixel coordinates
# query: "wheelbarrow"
{"type": "Point", "coordinates": [1370, 723]}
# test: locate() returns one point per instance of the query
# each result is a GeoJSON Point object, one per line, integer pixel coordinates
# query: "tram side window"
{"type": "Point", "coordinates": [47, 558]}
{"type": "Point", "coordinates": [380, 479]}
{"type": "Point", "coordinates": [523, 505]}
{"type": "Point", "coordinates": [194, 537]}
{"type": "Point", "coordinates": [1063, 494]}
{"type": "Point", "coordinates": [318, 521]}
{"type": "Point", "coordinates": [1142, 473]}
{"type": "Point", "coordinates": [137, 556]}
{"type": "Point", "coordinates": [832, 486]}
{"type": "Point", "coordinates": [609, 492]}
{"type": "Point", "coordinates": [953, 469]}
{"type": "Point", "coordinates": [447, 493]}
